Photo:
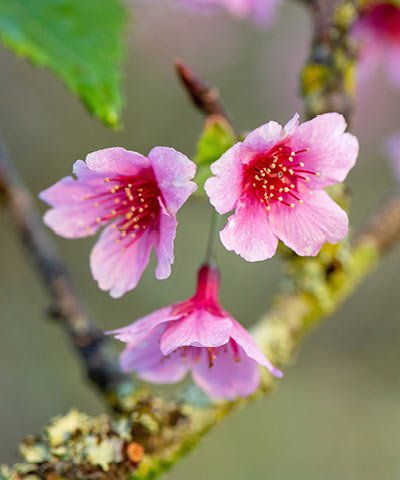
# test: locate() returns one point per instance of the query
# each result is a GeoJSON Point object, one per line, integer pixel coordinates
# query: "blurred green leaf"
{"type": "Point", "coordinates": [215, 140]}
{"type": "Point", "coordinates": [79, 40]}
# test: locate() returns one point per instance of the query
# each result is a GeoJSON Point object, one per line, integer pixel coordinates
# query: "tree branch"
{"type": "Point", "coordinates": [93, 347]}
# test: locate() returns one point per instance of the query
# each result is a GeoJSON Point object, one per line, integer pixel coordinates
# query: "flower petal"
{"type": "Point", "coordinates": [200, 329]}
{"type": "Point", "coordinates": [149, 363]}
{"type": "Point", "coordinates": [307, 227]}
{"type": "Point", "coordinates": [227, 378]}
{"type": "Point", "coordinates": [263, 138]}
{"type": "Point", "coordinates": [164, 246]}
{"type": "Point", "coordinates": [392, 56]}
{"type": "Point", "coordinates": [173, 171]}
{"type": "Point", "coordinates": [117, 160]}
{"type": "Point", "coordinates": [74, 214]}
{"type": "Point", "coordinates": [248, 232]}
{"type": "Point", "coordinates": [141, 328]}
{"type": "Point", "coordinates": [291, 125]}
{"type": "Point", "coordinates": [246, 341]}
{"type": "Point", "coordinates": [119, 270]}
{"type": "Point", "coordinates": [225, 188]}
{"type": "Point", "coordinates": [332, 152]}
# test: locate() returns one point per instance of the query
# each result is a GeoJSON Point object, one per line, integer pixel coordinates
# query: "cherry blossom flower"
{"type": "Point", "coordinates": [261, 12]}
{"type": "Point", "coordinates": [274, 180]}
{"type": "Point", "coordinates": [393, 150]}
{"type": "Point", "coordinates": [378, 30]}
{"type": "Point", "coordinates": [196, 335]}
{"type": "Point", "coordinates": [136, 198]}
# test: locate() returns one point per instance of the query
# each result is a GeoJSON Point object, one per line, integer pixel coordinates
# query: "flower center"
{"type": "Point", "coordinates": [274, 177]}
{"type": "Point", "coordinates": [133, 202]}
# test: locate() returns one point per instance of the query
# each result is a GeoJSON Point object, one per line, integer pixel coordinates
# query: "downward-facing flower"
{"type": "Point", "coordinates": [274, 181]}
{"type": "Point", "coordinates": [393, 150]}
{"type": "Point", "coordinates": [135, 198]}
{"type": "Point", "coordinates": [378, 30]}
{"type": "Point", "coordinates": [261, 12]}
{"type": "Point", "coordinates": [196, 335]}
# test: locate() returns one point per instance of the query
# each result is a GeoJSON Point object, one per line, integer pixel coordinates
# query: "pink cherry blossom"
{"type": "Point", "coordinates": [196, 335]}
{"type": "Point", "coordinates": [393, 150]}
{"type": "Point", "coordinates": [274, 181]}
{"type": "Point", "coordinates": [135, 198]}
{"type": "Point", "coordinates": [378, 30]}
{"type": "Point", "coordinates": [261, 12]}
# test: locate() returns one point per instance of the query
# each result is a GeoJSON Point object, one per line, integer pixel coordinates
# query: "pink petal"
{"type": "Point", "coordinates": [73, 216]}
{"type": "Point", "coordinates": [392, 56]}
{"type": "Point", "coordinates": [148, 362]}
{"type": "Point", "coordinates": [263, 138]}
{"type": "Point", "coordinates": [393, 149]}
{"type": "Point", "coordinates": [173, 172]}
{"type": "Point", "coordinates": [225, 187]}
{"type": "Point", "coordinates": [200, 329]}
{"type": "Point", "coordinates": [164, 247]}
{"type": "Point", "coordinates": [117, 161]}
{"type": "Point", "coordinates": [332, 152]}
{"type": "Point", "coordinates": [227, 378]}
{"type": "Point", "coordinates": [291, 126]}
{"type": "Point", "coordinates": [307, 227]}
{"type": "Point", "coordinates": [246, 341]}
{"type": "Point", "coordinates": [117, 270]}
{"type": "Point", "coordinates": [263, 12]}
{"type": "Point", "coordinates": [248, 232]}
{"type": "Point", "coordinates": [137, 331]}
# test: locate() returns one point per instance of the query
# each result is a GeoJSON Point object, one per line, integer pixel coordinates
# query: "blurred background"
{"type": "Point", "coordinates": [336, 414]}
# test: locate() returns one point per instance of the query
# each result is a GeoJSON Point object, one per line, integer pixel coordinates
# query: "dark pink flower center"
{"type": "Point", "coordinates": [384, 19]}
{"type": "Point", "coordinates": [275, 176]}
{"type": "Point", "coordinates": [133, 202]}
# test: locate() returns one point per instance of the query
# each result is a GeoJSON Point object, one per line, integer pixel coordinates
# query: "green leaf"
{"type": "Point", "coordinates": [215, 140]}
{"type": "Point", "coordinates": [79, 40]}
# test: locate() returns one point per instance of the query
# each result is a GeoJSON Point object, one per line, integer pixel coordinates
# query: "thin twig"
{"type": "Point", "coordinates": [94, 348]}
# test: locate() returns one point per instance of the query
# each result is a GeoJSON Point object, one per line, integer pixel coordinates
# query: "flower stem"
{"type": "Point", "coordinates": [210, 257]}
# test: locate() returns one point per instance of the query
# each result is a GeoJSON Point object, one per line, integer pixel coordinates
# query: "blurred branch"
{"type": "Point", "coordinates": [97, 355]}
{"type": "Point", "coordinates": [328, 78]}
{"type": "Point", "coordinates": [159, 432]}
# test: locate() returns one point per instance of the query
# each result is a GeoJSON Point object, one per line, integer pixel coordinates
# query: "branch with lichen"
{"type": "Point", "coordinates": [148, 434]}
